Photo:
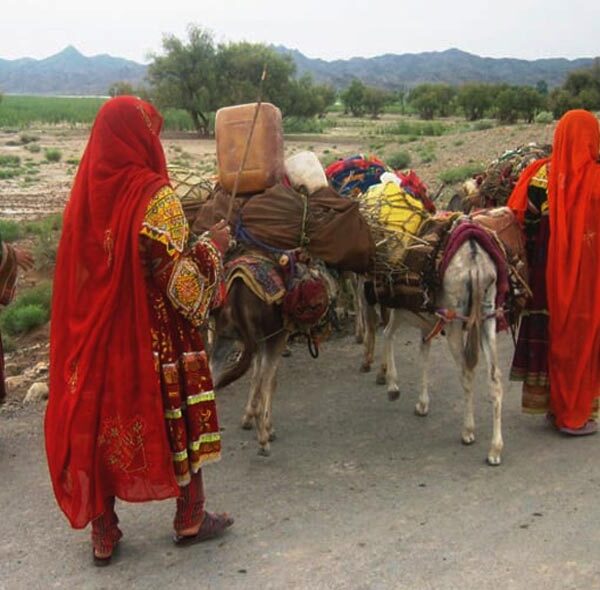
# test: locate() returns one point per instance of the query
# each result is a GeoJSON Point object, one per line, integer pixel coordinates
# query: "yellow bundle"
{"type": "Point", "coordinates": [395, 218]}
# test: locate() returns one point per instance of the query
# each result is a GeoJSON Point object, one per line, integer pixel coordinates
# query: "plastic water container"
{"type": "Point", "coordinates": [305, 172]}
{"type": "Point", "coordinates": [264, 164]}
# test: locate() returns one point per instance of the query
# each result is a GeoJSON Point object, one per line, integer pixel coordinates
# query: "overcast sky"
{"type": "Point", "coordinates": [329, 29]}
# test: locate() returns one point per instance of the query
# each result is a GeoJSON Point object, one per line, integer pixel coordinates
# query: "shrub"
{"type": "Point", "coordinates": [18, 319]}
{"type": "Point", "coordinates": [303, 125]}
{"type": "Point", "coordinates": [34, 148]}
{"type": "Point", "coordinates": [544, 117]}
{"type": "Point", "coordinates": [53, 155]}
{"type": "Point", "coordinates": [482, 125]}
{"type": "Point", "coordinates": [6, 173]}
{"type": "Point", "coordinates": [412, 128]}
{"type": "Point", "coordinates": [399, 160]}
{"type": "Point", "coordinates": [10, 231]}
{"type": "Point", "coordinates": [28, 138]}
{"type": "Point", "coordinates": [29, 310]}
{"type": "Point", "coordinates": [455, 175]}
{"type": "Point", "coordinates": [10, 161]}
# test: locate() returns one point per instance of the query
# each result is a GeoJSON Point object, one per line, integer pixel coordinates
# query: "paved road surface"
{"type": "Point", "coordinates": [358, 494]}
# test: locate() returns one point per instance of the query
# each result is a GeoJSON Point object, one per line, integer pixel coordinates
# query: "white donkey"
{"type": "Point", "coordinates": [467, 304]}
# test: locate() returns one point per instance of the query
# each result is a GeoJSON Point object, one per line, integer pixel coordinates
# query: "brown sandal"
{"type": "Point", "coordinates": [213, 525]}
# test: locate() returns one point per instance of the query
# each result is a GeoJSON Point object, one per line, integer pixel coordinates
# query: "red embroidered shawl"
{"type": "Point", "coordinates": [105, 432]}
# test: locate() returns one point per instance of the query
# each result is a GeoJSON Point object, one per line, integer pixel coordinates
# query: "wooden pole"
{"type": "Point", "coordinates": [248, 142]}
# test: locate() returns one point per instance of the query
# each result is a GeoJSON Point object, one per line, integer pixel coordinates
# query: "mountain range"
{"type": "Point", "coordinates": [70, 72]}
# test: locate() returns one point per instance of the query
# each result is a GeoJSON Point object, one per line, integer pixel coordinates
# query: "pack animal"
{"type": "Point", "coordinates": [468, 296]}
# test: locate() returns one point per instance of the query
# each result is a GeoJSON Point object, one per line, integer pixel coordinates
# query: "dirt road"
{"type": "Point", "coordinates": [359, 493]}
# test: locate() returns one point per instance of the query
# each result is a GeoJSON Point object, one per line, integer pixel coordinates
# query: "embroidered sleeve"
{"type": "Point", "coordinates": [165, 221]}
{"type": "Point", "coordinates": [192, 280]}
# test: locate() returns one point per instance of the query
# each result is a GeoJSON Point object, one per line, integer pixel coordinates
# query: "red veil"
{"type": "Point", "coordinates": [573, 267]}
{"type": "Point", "coordinates": [573, 271]}
{"type": "Point", "coordinates": [105, 432]}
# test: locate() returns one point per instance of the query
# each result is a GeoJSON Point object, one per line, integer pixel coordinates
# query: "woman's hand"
{"type": "Point", "coordinates": [220, 234]}
{"type": "Point", "coordinates": [24, 258]}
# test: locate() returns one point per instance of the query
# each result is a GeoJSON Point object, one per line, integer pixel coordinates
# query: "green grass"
{"type": "Point", "coordinates": [461, 173]}
{"type": "Point", "coordinates": [10, 231]}
{"type": "Point", "coordinates": [303, 125]}
{"type": "Point", "coordinates": [30, 309]}
{"type": "Point", "coordinates": [10, 161]}
{"type": "Point", "coordinates": [414, 128]}
{"type": "Point", "coordinates": [22, 111]}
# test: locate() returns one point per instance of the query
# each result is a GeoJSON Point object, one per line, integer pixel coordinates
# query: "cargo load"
{"type": "Point", "coordinates": [264, 165]}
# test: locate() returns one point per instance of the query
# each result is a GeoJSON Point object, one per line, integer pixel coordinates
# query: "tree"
{"type": "Point", "coordinates": [542, 87]}
{"type": "Point", "coordinates": [560, 101]}
{"type": "Point", "coordinates": [475, 100]}
{"type": "Point", "coordinates": [507, 105]}
{"type": "Point", "coordinates": [432, 99]}
{"type": "Point", "coordinates": [186, 76]}
{"type": "Point", "coordinates": [530, 103]}
{"type": "Point", "coordinates": [375, 100]}
{"type": "Point", "coordinates": [121, 88]}
{"type": "Point", "coordinates": [353, 98]}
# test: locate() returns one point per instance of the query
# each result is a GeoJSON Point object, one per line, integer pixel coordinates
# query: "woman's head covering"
{"type": "Point", "coordinates": [573, 265]}
{"type": "Point", "coordinates": [104, 422]}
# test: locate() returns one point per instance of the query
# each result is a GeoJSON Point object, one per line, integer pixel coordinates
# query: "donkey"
{"type": "Point", "coordinates": [259, 328]}
{"type": "Point", "coordinates": [468, 294]}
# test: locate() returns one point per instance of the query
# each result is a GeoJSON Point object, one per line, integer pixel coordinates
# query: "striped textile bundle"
{"type": "Point", "coordinates": [354, 175]}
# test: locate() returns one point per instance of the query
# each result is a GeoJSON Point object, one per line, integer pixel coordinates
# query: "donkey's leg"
{"type": "Point", "coordinates": [356, 285]}
{"type": "Point", "coordinates": [422, 407]}
{"type": "Point", "coordinates": [388, 368]}
{"type": "Point", "coordinates": [370, 317]}
{"type": "Point", "coordinates": [279, 343]}
{"type": "Point", "coordinates": [251, 410]}
{"type": "Point", "coordinates": [454, 335]}
{"type": "Point", "coordinates": [489, 348]}
{"type": "Point", "coordinates": [268, 369]}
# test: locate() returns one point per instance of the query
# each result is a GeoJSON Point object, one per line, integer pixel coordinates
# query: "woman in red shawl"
{"type": "Point", "coordinates": [131, 412]}
{"type": "Point", "coordinates": [558, 351]}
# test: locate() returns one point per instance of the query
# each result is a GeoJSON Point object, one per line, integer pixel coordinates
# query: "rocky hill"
{"type": "Point", "coordinates": [70, 72]}
{"type": "Point", "coordinates": [67, 72]}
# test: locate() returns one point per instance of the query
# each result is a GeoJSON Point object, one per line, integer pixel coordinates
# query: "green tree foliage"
{"type": "Point", "coordinates": [186, 75]}
{"type": "Point", "coordinates": [120, 89]}
{"type": "Point", "coordinates": [581, 90]}
{"type": "Point", "coordinates": [475, 100]}
{"type": "Point", "coordinates": [431, 100]}
{"type": "Point", "coordinates": [353, 98]}
{"type": "Point", "coordinates": [200, 77]}
{"type": "Point", "coordinates": [375, 100]}
{"type": "Point", "coordinates": [530, 103]}
{"type": "Point", "coordinates": [507, 104]}
{"type": "Point", "coordinates": [306, 99]}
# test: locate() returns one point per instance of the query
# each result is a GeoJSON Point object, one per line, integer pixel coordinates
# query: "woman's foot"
{"type": "Point", "coordinates": [590, 427]}
{"type": "Point", "coordinates": [103, 551]}
{"type": "Point", "coordinates": [212, 526]}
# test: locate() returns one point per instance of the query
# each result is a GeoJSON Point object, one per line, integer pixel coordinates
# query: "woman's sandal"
{"type": "Point", "coordinates": [104, 561]}
{"type": "Point", "coordinates": [213, 525]}
{"type": "Point", "coordinates": [590, 427]}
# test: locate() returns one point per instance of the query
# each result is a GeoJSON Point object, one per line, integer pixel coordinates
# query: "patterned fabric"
{"type": "Point", "coordinates": [182, 288]}
{"type": "Point", "coordinates": [165, 221]}
{"type": "Point", "coordinates": [105, 529]}
{"type": "Point", "coordinates": [190, 504]}
{"type": "Point", "coordinates": [260, 274]}
{"type": "Point", "coordinates": [530, 361]}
